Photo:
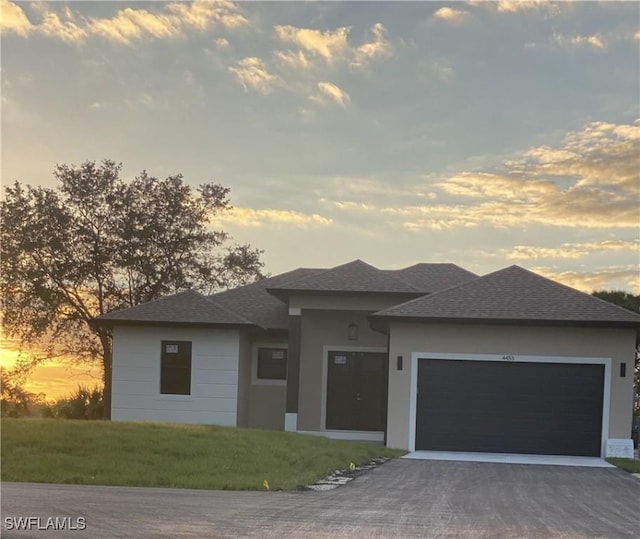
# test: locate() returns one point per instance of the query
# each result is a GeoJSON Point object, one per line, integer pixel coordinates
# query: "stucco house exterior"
{"type": "Point", "coordinates": [429, 357]}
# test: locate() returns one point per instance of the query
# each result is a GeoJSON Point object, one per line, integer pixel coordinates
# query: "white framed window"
{"type": "Point", "coordinates": [269, 364]}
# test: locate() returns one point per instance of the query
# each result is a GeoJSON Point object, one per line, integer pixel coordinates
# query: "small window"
{"type": "Point", "coordinates": [272, 364]}
{"type": "Point", "coordinates": [175, 371]}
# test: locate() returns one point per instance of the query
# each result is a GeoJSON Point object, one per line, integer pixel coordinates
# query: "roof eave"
{"type": "Point", "coordinates": [110, 322]}
{"type": "Point", "coordinates": [388, 319]}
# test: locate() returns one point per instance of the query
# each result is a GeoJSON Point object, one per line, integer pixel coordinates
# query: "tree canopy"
{"type": "Point", "coordinates": [632, 303]}
{"type": "Point", "coordinates": [97, 243]}
{"type": "Point", "coordinates": [620, 298]}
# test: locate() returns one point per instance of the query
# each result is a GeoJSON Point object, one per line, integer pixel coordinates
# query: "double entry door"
{"type": "Point", "coordinates": [357, 391]}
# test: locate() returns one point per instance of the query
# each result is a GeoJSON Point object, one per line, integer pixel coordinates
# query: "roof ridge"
{"type": "Point", "coordinates": [382, 272]}
{"type": "Point", "coordinates": [494, 284]}
{"type": "Point", "coordinates": [154, 300]}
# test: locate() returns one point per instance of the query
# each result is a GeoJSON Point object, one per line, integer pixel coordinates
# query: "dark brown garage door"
{"type": "Point", "coordinates": [509, 407]}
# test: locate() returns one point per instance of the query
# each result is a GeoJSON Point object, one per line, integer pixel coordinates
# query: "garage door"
{"type": "Point", "coordinates": [509, 407]}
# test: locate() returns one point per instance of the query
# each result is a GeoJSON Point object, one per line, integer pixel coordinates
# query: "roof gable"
{"type": "Point", "coordinates": [187, 307]}
{"type": "Point", "coordinates": [430, 277]}
{"type": "Point", "coordinates": [512, 294]}
{"type": "Point", "coordinates": [354, 277]}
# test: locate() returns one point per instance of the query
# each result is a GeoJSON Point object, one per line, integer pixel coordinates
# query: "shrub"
{"type": "Point", "coordinates": [16, 401]}
{"type": "Point", "coordinates": [84, 403]}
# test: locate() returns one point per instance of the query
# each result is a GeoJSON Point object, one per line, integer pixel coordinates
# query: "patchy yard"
{"type": "Point", "coordinates": [171, 455]}
{"type": "Point", "coordinates": [628, 465]}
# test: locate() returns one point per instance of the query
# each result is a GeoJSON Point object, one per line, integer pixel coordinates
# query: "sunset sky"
{"type": "Point", "coordinates": [484, 134]}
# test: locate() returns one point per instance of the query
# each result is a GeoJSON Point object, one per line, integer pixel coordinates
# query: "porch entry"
{"type": "Point", "coordinates": [357, 391]}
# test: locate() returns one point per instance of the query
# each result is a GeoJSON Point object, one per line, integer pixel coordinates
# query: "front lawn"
{"type": "Point", "coordinates": [171, 455]}
{"type": "Point", "coordinates": [628, 465]}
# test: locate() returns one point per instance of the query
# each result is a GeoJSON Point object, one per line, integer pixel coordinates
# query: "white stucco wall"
{"type": "Point", "coordinates": [214, 376]}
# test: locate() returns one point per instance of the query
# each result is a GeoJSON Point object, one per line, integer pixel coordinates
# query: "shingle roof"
{"type": "Point", "coordinates": [188, 307]}
{"type": "Point", "coordinates": [431, 278]}
{"type": "Point", "coordinates": [512, 294]}
{"type": "Point", "coordinates": [354, 277]}
{"type": "Point", "coordinates": [255, 303]}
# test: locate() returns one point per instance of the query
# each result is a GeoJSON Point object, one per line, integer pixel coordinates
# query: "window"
{"type": "Point", "coordinates": [272, 364]}
{"type": "Point", "coordinates": [175, 369]}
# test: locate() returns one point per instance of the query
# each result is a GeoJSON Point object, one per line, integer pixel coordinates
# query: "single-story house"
{"type": "Point", "coordinates": [428, 357]}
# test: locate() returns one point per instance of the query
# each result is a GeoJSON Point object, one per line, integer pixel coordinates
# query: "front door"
{"type": "Point", "coordinates": [357, 391]}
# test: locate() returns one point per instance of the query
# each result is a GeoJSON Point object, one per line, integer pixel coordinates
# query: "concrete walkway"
{"type": "Point", "coordinates": [507, 458]}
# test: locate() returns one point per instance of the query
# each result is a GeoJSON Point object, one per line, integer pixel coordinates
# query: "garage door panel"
{"type": "Point", "coordinates": [544, 408]}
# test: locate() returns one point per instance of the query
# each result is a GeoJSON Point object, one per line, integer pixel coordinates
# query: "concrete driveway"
{"type": "Point", "coordinates": [403, 498]}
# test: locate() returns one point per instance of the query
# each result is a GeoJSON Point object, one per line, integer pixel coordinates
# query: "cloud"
{"type": "Point", "coordinates": [451, 15]}
{"type": "Point", "coordinates": [591, 180]}
{"type": "Point", "coordinates": [442, 71]}
{"type": "Point", "coordinates": [133, 24]}
{"type": "Point", "coordinates": [609, 278]}
{"type": "Point", "coordinates": [572, 250]}
{"type": "Point", "coordinates": [603, 155]}
{"type": "Point", "coordinates": [249, 217]}
{"type": "Point", "coordinates": [329, 45]}
{"type": "Point", "coordinates": [13, 19]}
{"type": "Point", "coordinates": [595, 41]}
{"type": "Point", "coordinates": [487, 185]}
{"type": "Point", "coordinates": [252, 73]}
{"type": "Point", "coordinates": [330, 91]}
{"type": "Point", "coordinates": [127, 25]}
{"type": "Point", "coordinates": [513, 6]}
{"type": "Point", "coordinates": [67, 30]}
{"type": "Point", "coordinates": [202, 13]}
{"type": "Point", "coordinates": [378, 48]}
{"type": "Point", "coordinates": [293, 59]}
{"type": "Point", "coordinates": [341, 191]}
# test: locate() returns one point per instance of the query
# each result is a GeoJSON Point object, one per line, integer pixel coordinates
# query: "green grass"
{"type": "Point", "coordinates": [628, 465]}
{"type": "Point", "coordinates": [171, 455]}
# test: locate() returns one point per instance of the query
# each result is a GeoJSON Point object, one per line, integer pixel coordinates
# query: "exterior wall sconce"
{"type": "Point", "coordinates": [353, 332]}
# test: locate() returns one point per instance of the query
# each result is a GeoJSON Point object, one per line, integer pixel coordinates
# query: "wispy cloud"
{"type": "Point", "coordinates": [13, 19]}
{"type": "Point", "coordinates": [68, 28]}
{"type": "Point", "coordinates": [594, 41]}
{"type": "Point", "coordinates": [451, 15]}
{"type": "Point", "coordinates": [252, 73]}
{"type": "Point", "coordinates": [378, 47]}
{"type": "Point", "coordinates": [591, 180]}
{"type": "Point", "coordinates": [293, 59]}
{"type": "Point", "coordinates": [609, 278]}
{"type": "Point", "coordinates": [331, 46]}
{"type": "Point", "coordinates": [572, 250]}
{"type": "Point", "coordinates": [250, 217]}
{"type": "Point", "coordinates": [128, 25]}
{"type": "Point", "coordinates": [601, 156]}
{"type": "Point", "coordinates": [328, 91]}
{"type": "Point", "coordinates": [513, 6]}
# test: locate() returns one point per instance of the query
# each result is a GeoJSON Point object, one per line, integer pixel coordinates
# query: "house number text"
{"type": "Point", "coordinates": [508, 358]}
